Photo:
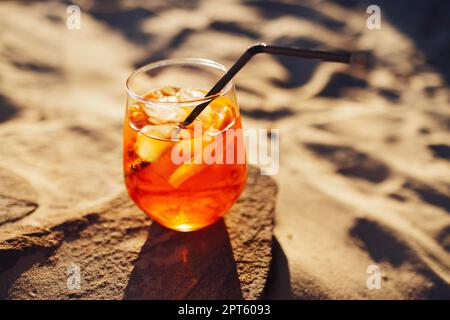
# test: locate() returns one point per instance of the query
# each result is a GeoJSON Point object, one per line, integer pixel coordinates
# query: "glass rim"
{"type": "Point", "coordinates": [172, 62]}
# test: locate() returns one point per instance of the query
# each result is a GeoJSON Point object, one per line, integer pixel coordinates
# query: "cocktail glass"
{"type": "Point", "coordinates": [185, 178]}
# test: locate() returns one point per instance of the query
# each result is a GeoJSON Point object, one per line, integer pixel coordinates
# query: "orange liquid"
{"type": "Point", "coordinates": [190, 201]}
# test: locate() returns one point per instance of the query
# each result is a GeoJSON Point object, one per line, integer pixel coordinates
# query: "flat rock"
{"type": "Point", "coordinates": [119, 253]}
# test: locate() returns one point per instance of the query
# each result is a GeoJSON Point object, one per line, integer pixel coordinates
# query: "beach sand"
{"type": "Point", "coordinates": [364, 173]}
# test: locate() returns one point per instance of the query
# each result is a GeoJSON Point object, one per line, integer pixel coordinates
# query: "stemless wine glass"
{"type": "Point", "coordinates": [183, 178]}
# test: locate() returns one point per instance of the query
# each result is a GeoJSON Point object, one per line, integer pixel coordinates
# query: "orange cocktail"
{"type": "Point", "coordinates": [185, 178]}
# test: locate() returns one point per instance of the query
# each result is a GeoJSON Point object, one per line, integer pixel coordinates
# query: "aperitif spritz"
{"type": "Point", "coordinates": [185, 178]}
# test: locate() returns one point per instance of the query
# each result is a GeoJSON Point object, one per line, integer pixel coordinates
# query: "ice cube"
{"type": "Point", "coordinates": [189, 94]}
{"type": "Point", "coordinates": [149, 149]}
{"type": "Point", "coordinates": [137, 116]}
{"type": "Point", "coordinates": [169, 91]}
{"type": "Point", "coordinates": [161, 114]}
{"type": "Point", "coordinates": [153, 140]}
{"type": "Point", "coordinates": [160, 94]}
{"type": "Point", "coordinates": [217, 114]}
{"type": "Point", "coordinates": [168, 99]}
{"type": "Point", "coordinates": [169, 132]}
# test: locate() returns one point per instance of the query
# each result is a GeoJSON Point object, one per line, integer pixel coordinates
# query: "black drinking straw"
{"type": "Point", "coordinates": [342, 57]}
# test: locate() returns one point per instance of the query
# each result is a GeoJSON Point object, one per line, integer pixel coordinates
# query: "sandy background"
{"type": "Point", "coordinates": [364, 175]}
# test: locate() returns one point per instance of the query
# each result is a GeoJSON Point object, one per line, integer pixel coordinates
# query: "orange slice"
{"type": "Point", "coordinates": [150, 149]}
{"type": "Point", "coordinates": [218, 114]}
{"type": "Point", "coordinates": [219, 117]}
{"type": "Point", "coordinates": [222, 113]}
{"type": "Point", "coordinates": [194, 165]}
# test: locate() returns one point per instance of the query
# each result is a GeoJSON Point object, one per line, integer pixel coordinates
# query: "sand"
{"type": "Point", "coordinates": [364, 176]}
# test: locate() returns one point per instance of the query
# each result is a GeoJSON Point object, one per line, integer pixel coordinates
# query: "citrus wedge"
{"type": "Point", "coordinates": [150, 149]}
{"type": "Point", "coordinates": [218, 117]}
{"type": "Point", "coordinates": [195, 163]}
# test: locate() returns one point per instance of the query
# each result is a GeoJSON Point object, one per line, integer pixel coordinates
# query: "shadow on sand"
{"type": "Point", "coordinates": [193, 265]}
{"type": "Point", "coordinates": [426, 23]}
{"type": "Point", "coordinates": [278, 286]}
{"type": "Point", "coordinates": [7, 109]}
{"type": "Point", "coordinates": [198, 265]}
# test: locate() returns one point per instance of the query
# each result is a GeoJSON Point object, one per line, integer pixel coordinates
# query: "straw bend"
{"type": "Point", "coordinates": [256, 48]}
